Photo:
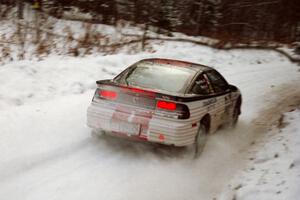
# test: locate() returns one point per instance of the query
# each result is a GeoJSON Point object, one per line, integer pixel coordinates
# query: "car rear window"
{"type": "Point", "coordinates": [158, 76]}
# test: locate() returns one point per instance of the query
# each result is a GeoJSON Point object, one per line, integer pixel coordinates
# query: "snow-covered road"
{"type": "Point", "coordinates": [47, 152]}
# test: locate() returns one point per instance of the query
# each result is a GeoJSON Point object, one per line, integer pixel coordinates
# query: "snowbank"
{"type": "Point", "coordinates": [273, 171]}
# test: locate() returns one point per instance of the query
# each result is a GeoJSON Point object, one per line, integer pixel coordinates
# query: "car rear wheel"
{"type": "Point", "coordinates": [200, 140]}
{"type": "Point", "coordinates": [235, 117]}
{"type": "Point", "coordinates": [97, 132]}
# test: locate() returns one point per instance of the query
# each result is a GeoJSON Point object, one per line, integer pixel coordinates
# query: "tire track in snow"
{"type": "Point", "coordinates": [15, 168]}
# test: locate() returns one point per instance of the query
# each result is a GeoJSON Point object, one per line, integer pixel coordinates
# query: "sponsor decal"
{"type": "Point", "coordinates": [210, 101]}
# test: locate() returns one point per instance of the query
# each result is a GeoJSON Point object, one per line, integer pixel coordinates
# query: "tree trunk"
{"type": "Point", "coordinates": [20, 9]}
{"type": "Point", "coordinates": [144, 37]}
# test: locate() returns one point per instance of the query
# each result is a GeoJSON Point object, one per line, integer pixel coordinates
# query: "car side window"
{"type": "Point", "coordinates": [218, 82]}
{"type": "Point", "coordinates": [201, 86]}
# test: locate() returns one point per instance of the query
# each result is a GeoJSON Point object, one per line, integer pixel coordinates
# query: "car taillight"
{"type": "Point", "coordinates": [172, 110]}
{"type": "Point", "coordinates": [166, 105]}
{"type": "Point", "coordinates": [108, 94]}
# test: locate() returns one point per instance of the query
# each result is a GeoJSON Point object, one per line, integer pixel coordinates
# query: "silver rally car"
{"type": "Point", "coordinates": [164, 101]}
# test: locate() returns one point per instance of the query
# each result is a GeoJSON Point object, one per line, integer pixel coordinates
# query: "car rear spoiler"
{"type": "Point", "coordinates": [178, 98]}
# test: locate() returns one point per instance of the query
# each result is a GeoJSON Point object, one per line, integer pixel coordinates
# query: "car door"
{"type": "Point", "coordinates": [223, 95]}
{"type": "Point", "coordinates": [208, 101]}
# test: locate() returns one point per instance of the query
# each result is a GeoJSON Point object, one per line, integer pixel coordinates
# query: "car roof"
{"type": "Point", "coordinates": [179, 63]}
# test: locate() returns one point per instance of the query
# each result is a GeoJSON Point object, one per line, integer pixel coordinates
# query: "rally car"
{"type": "Point", "coordinates": [165, 101]}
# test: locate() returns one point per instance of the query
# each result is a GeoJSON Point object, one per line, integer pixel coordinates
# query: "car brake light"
{"type": "Point", "coordinates": [166, 105]}
{"type": "Point", "coordinates": [136, 90]}
{"type": "Point", "coordinates": [147, 93]}
{"type": "Point", "coordinates": [178, 110]}
{"type": "Point", "coordinates": [108, 94]}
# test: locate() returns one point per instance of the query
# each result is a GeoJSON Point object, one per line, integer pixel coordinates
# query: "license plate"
{"type": "Point", "coordinates": [125, 127]}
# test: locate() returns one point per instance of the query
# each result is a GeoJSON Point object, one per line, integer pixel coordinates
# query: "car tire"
{"type": "Point", "coordinates": [97, 132]}
{"type": "Point", "coordinates": [200, 140]}
{"type": "Point", "coordinates": [235, 117]}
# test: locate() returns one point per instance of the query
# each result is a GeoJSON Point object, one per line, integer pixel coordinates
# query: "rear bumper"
{"type": "Point", "coordinates": [153, 128]}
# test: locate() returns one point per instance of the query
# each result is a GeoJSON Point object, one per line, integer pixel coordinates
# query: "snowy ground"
{"type": "Point", "coordinates": [47, 152]}
{"type": "Point", "coordinates": [273, 171]}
